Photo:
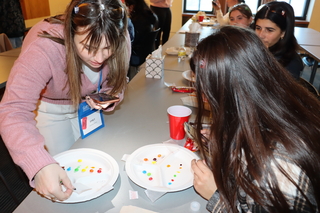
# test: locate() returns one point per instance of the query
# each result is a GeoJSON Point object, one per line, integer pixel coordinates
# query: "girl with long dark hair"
{"type": "Point", "coordinates": [261, 153]}
{"type": "Point", "coordinates": [274, 24]}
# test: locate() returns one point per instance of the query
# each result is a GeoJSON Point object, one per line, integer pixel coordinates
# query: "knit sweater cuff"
{"type": "Point", "coordinates": [34, 162]}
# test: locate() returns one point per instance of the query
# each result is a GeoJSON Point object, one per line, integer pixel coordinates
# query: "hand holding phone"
{"type": "Point", "coordinates": [216, 4]}
{"type": "Point", "coordinates": [101, 100]}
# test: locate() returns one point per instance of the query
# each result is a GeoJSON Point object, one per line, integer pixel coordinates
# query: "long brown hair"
{"type": "Point", "coordinates": [109, 23]}
{"type": "Point", "coordinates": [258, 110]}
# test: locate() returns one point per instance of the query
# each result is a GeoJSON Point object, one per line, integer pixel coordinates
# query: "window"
{"type": "Point", "coordinates": [197, 5]}
{"type": "Point", "coordinates": [193, 6]}
{"type": "Point", "coordinates": [300, 8]}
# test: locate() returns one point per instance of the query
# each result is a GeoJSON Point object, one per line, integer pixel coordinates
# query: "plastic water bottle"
{"type": "Point", "coordinates": [181, 53]}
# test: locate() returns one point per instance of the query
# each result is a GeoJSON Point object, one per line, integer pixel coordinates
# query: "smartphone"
{"type": "Point", "coordinates": [214, 2]}
{"type": "Point", "coordinates": [103, 98]}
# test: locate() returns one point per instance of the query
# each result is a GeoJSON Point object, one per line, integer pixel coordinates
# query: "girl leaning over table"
{"type": "Point", "coordinates": [63, 58]}
{"type": "Point", "coordinates": [261, 152]}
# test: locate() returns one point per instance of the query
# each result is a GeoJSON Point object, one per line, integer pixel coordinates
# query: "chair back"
{"type": "Point", "coordinates": [309, 86]}
{"type": "Point", "coordinates": [146, 49]}
{"type": "Point", "coordinates": [5, 43]}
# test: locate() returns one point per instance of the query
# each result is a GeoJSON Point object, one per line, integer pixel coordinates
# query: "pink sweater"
{"type": "Point", "coordinates": [38, 73]}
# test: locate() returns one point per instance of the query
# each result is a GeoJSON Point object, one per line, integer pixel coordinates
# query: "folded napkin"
{"type": "Point", "coordinates": [194, 27]}
{"type": "Point", "coordinates": [157, 53]}
{"type": "Point", "coordinates": [153, 195]}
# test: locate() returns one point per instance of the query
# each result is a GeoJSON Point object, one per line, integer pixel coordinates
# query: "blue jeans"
{"type": "Point", "coordinates": [16, 42]}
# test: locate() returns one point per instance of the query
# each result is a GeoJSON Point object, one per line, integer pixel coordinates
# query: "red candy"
{"type": "Point", "coordinates": [190, 145]}
{"type": "Point", "coordinates": [183, 89]}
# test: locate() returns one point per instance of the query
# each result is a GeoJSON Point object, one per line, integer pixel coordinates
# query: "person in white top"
{"type": "Point", "coordinates": [224, 19]}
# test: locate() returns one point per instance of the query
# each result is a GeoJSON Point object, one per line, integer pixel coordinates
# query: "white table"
{"type": "Point", "coordinates": [314, 51]}
{"type": "Point", "coordinates": [307, 36]}
{"type": "Point", "coordinates": [139, 120]}
{"type": "Point", "coordinates": [170, 62]}
{"type": "Point", "coordinates": [14, 52]}
{"type": "Point", "coordinates": [309, 41]}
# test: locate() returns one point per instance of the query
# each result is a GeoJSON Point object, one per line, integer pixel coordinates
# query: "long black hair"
{"type": "Point", "coordinates": [282, 14]}
{"type": "Point", "coordinates": [258, 113]}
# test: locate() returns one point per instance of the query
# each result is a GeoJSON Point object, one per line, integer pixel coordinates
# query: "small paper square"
{"type": "Point", "coordinates": [133, 195]}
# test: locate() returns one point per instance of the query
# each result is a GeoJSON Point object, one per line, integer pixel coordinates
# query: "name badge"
{"type": "Point", "coordinates": [90, 120]}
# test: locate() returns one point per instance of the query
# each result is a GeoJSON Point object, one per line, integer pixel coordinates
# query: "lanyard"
{"type": "Point", "coordinates": [100, 80]}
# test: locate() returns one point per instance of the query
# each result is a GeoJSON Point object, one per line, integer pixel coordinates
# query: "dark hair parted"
{"type": "Point", "coordinates": [101, 19]}
{"type": "Point", "coordinates": [282, 14]}
{"type": "Point", "coordinates": [257, 111]}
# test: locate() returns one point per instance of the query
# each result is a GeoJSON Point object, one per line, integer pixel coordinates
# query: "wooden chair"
{"type": "Point", "coordinates": [5, 43]}
{"type": "Point", "coordinates": [309, 86]}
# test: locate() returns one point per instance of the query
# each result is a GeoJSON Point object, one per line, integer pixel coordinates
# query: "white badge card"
{"type": "Point", "coordinates": [90, 120]}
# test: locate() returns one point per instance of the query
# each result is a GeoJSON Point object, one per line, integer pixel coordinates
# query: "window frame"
{"type": "Point", "coordinates": [193, 11]}
{"type": "Point", "coordinates": [303, 17]}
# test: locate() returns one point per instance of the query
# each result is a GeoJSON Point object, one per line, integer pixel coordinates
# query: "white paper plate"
{"type": "Point", "coordinates": [161, 167]}
{"type": "Point", "coordinates": [91, 168]}
{"type": "Point", "coordinates": [207, 23]}
{"type": "Point", "coordinates": [174, 50]}
{"type": "Point", "coordinates": [188, 75]}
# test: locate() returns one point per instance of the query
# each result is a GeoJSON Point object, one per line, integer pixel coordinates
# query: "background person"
{"type": "Point", "coordinates": [261, 154]}
{"type": "Point", "coordinates": [224, 19]}
{"type": "Point", "coordinates": [12, 21]}
{"type": "Point", "coordinates": [240, 15]}
{"type": "Point", "coordinates": [162, 9]}
{"type": "Point", "coordinates": [274, 24]}
{"type": "Point", "coordinates": [144, 22]}
{"type": "Point", "coordinates": [62, 60]}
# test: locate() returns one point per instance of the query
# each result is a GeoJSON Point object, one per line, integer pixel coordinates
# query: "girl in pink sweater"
{"type": "Point", "coordinates": [63, 59]}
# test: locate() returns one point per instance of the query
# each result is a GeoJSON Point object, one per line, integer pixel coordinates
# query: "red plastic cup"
{"type": "Point", "coordinates": [177, 116]}
{"type": "Point", "coordinates": [201, 17]}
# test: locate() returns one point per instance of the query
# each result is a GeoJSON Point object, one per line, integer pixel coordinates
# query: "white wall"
{"type": "Point", "coordinates": [315, 16]}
